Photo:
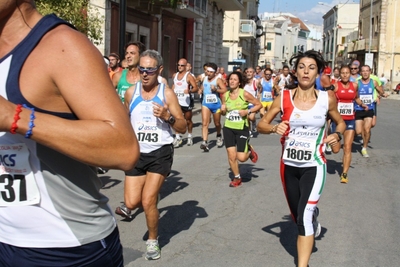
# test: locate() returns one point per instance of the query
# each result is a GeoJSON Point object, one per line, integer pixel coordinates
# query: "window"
{"type": "Point", "coordinates": [343, 39]}
{"type": "Point", "coordinates": [165, 55]}
{"type": "Point", "coordinates": [269, 45]}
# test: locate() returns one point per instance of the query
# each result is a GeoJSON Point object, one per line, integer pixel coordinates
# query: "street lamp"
{"type": "Point", "coordinates": [334, 32]}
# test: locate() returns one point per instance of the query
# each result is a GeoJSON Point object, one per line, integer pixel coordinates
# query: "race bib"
{"type": "Point", "coordinates": [211, 99]}
{"type": "Point", "coordinates": [180, 93]}
{"type": "Point", "coordinates": [234, 116]}
{"type": "Point", "coordinates": [148, 132]}
{"type": "Point", "coordinates": [299, 150]}
{"type": "Point", "coordinates": [346, 108]}
{"type": "Point", "coordinates": [267, 94]}
{"type": "Point", "coordinates": [366, 99]}
{"type": "Point", "coordinates": [17, 183]}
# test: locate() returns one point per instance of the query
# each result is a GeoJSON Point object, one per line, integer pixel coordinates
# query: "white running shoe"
{"type": "Point", "coordinates": [316, 224]}
{"type": "Point", "coordinates": [177, 142]}
{"type": "Point", "coordinates": [328, 148]}
{"type": "Point", "coordinates": [153, 251]}
{"type": "Point", "coordinates": [189, 141]}
{"type": "Point", "coordinates": [220, 142]}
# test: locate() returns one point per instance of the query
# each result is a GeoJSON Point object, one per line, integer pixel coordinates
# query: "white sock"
{"type": "Point", "coordinates": [178, 136]}
{"type": "Point", "coordinates": [189, 135]}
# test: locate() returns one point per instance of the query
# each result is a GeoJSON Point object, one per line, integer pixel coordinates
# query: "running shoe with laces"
{"type": "Point", "coordinates": [344, 179]}
{"type": "Point", "coordinates": [316, 224]}
{"type": "Point", "coordinates": [177, 142]}
{"type": "Point", "coordinates": [253, 155]}
{"type": "Point", "coordinates": [236, 183]}
{"type": "Point", "coordinates": [153, 251]}
{"type": "Point", "coordinates": [123, 211]}
{"type": "Point", "coordinates": [220, 142]}
{"type": "Point", "coordinates": [189, 141]}
{"type": "Point", "coordinates": [364, 152]}
{"type": "Point", "coordinates": [328, 148]}
{"type": "Point", "coordinates": [204, 146]}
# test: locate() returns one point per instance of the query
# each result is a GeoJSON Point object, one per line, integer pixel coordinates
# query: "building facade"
{"type": "Point", "coordinates": [339, 22]}
{"type": "Point", "coordinates": [193, 30]}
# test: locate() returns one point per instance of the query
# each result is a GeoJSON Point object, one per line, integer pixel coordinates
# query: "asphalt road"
{"type": "Point", "coordinates": [204, 222]}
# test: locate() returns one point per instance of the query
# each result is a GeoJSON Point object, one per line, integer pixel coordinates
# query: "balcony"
{"type": "Point", "coordinates": [247, 29]}
{"type": "Point", "coordinates": [185, 8]}
{"type": "Point", "coordinates": [229, 5]}
{"type": "Point", "coordinates": [363, 45]}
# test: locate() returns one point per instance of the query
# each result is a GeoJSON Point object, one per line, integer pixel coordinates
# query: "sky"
{"type": "Point", "coordinates": [308, 11]}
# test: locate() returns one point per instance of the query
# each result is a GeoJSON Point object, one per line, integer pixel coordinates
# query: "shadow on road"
{"type": "Point", "coordinates": [177, 218]}
{"type": "Point", "coordinates": [286, 231]}
{"type": "Point", "coordinates": [108, 182]}
{"type": "Point", "coordinates": [247, 172]}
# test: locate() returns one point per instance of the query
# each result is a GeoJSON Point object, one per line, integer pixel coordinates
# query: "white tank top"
{"type": "Point", "coordinates": [151, 132]}
{"type": "Point", "coordinates": [283, 81]}
{"type": "Point", "coordinates": [180, 87]}
{"type": "Point", "coordinates": [303, 144]}
{"type": "Point", "coordinates": [251, 88]}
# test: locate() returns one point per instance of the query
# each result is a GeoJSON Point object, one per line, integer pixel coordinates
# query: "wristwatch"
{"type": "Point", "coordinates": [340, 135]}
{"type": "Point", "coordinates": [171, 120]}
{"type": "Point", "coordinates": [249, 112]}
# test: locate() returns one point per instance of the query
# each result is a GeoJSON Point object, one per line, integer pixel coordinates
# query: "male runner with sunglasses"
{"type": "Point", "coordinates": [154, 112]}
{"type": "Point", "coordinates": [184, 84]}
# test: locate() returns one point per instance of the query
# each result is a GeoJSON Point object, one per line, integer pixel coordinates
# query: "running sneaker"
{"type": "Point", "coordinates": [253, 154]}
{"type": "Point", "coordinates": [153, 251]}
{"type": "Point", "coordinates": [189, 141]}
{"type": "Point", "coordinates": [101, 170]}
{"type": "Point", "coordinates": [220, 142]}
{"type": "Point", "coordinates": [316, 224]}
{"type": "Point", "coordinates": [204, 146]}
{"type": "Point", "coordinates": [177, 142]}
{"type": "Point", "coordinates": [344, 179]}
{"type": "Point", "coordinates": [236, 183]}
{"type": "Point", "coordinates": [364, 152]}
{"type": "Point", "coordinates": [250, 134]}
{"type": "Point", "coordinates": [328, 148]}
{"type": "Point", "coordinates": [123, 211]}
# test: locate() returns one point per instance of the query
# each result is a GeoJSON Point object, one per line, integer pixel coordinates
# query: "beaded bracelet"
{"type": "Point", "coordinates": [14, 125]}
{"type": "Point", "coordinates": [31, 124]}
{"type": "Point", "coordinates": [273, 129]}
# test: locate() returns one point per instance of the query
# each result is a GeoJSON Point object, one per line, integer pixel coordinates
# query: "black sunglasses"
{"type": "Point", "coordinates": [149, 71]}
{"type": "Point", "coordinates": [179, 65]}
{"type": "Point", "coordinates": [354, 68]}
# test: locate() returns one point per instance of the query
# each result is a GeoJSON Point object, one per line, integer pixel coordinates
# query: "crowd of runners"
{"type": "Point", "coordinates": [131, 118]}
{"type": "Point", "coordinates": [319, 110]}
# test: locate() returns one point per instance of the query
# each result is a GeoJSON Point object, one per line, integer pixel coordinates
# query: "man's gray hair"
{"type": "Point", "coordinates": [154, 55]}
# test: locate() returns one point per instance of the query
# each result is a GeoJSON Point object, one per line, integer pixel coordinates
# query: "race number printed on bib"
{"type": "Point", "coordinates": [179, 93]}
{"type": "Point", "coordinates": [267, 94]}
{"type": "Point", "coordinates": [299, 150]}
{"type": "Point", "coordinates": [366, 99]}
{"type": "Point", "coordinates": [17, 183]}
{"type": "Point", "coordinates": [211, 98]}
{"type": "Point", "coordinates": [148, 132]}
{"type": "Point", "coordinates": [345, 108]}
{"type": "Point", "coordinates": [234, 116]}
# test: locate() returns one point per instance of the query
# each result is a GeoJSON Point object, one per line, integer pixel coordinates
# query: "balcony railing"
{"type": "Point", "coordinates": [229, 5]}
{"type": "Point", "coordinates": [247, 28]}
{"type": "Point", "coordinates": [185, 8]}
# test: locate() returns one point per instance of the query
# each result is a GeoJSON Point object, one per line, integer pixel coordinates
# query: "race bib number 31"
{"type": "Point", "coordinates": [299, 150]}
{"type": "Point", "coordinates": [17, 182]}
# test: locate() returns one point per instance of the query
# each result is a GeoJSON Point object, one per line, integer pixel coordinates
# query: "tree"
{"type": "Point", "coordinates": [80, 13]}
